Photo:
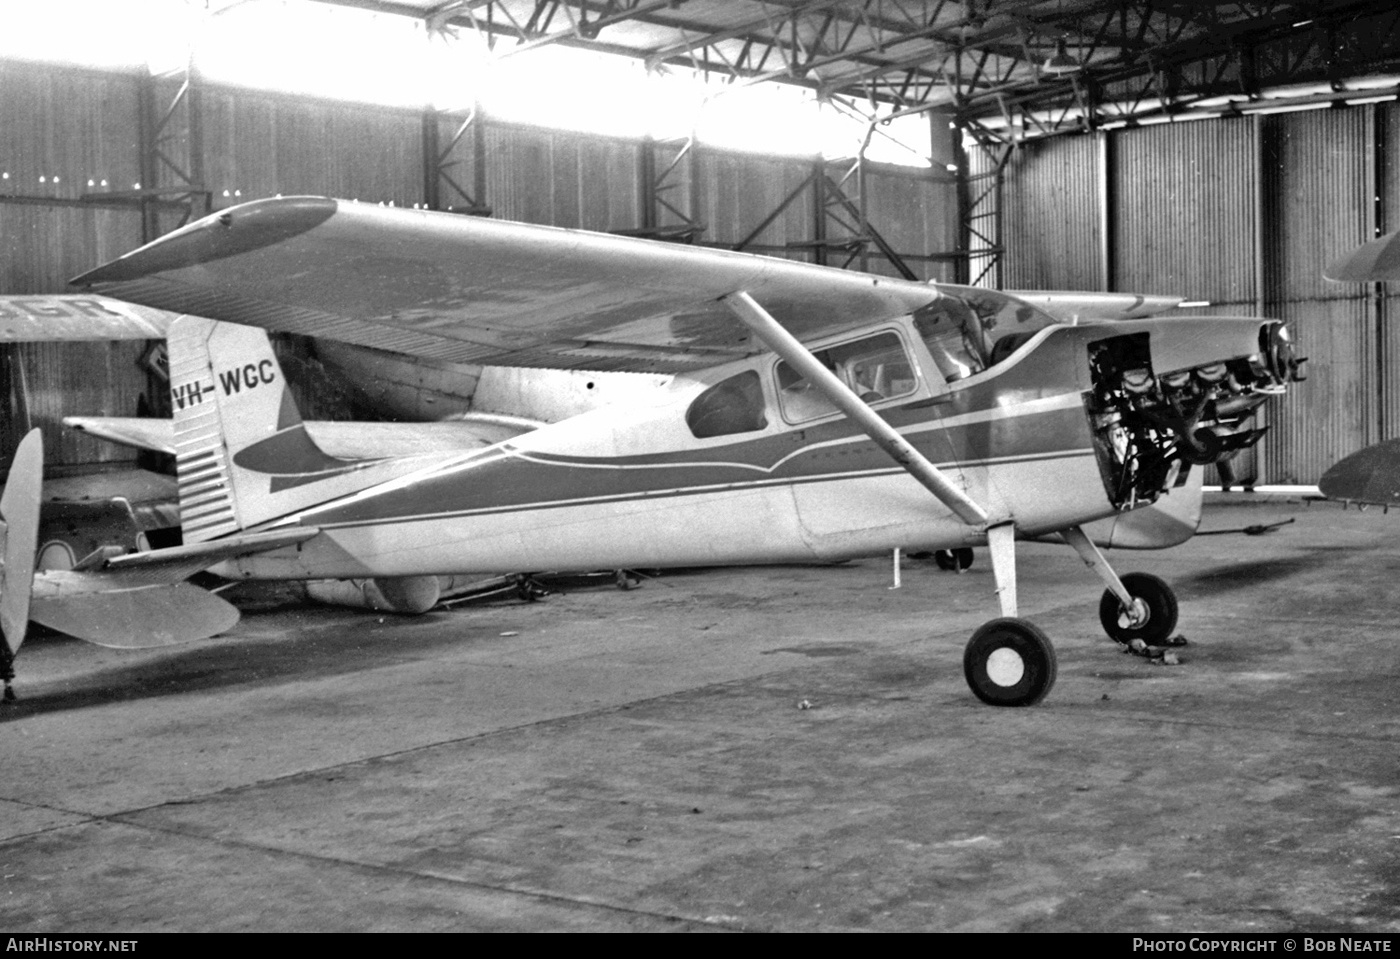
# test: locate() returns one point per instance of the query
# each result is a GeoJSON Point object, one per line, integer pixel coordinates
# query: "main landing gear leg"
{"type": "Point", "coordinates": [1009, 661]}
{"type": "Point", "coordinates": [7, 671]}
{"type": "Point", "coordinates": [1138, 606]}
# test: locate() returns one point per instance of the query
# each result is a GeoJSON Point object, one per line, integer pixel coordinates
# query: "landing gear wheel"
{"type": "Point", "coordinates": [1206, 449]}
{"type": "Point", "coordinates": [954, 560]}
{"type": "Point", "coordinates": [1009, 662]}
{"type": "Point", "coordinates": [1155, 600]}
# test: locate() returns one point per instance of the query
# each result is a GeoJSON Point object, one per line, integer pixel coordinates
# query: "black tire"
{"type": "Point", "coordinates": [1205, 448]}
{"type": "Point", "coordinates": [1161, 610]}
{"type": "Point", "coordinates": [954, 560]}
{"type": "Point", "coordinates": [1009, 662]}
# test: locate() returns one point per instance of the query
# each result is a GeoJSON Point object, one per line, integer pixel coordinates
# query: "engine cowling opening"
{"type": "Point", "coordinates": [1150, 428]}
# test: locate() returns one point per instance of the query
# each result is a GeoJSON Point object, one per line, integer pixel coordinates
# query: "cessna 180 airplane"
{"type": "Point", "coordinates": [816, 413]}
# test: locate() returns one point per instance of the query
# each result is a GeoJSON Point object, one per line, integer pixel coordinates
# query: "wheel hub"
{"type": "Point", "coordinates": [1135, 616]}
{"type": "Point", "coordinates": [1005, 667]}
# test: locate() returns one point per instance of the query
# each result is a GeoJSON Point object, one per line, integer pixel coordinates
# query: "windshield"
{"type": "Point", "coordinates": [972, 329]}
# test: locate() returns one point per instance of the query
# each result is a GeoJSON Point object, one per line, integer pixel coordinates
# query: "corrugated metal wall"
{"type": "Point", "coordinates": [1183, 223]}
{"type": "Point", "coordinates": [1240, 212]}
{"type": "Point", "coordinates": [1050, 221]}
{"type": "Point", "coordinates": [84, 125]}
{"type": "Point", "coordinates": [1319, 200]}
{"type": "Point", "coordinates": [913, 215]}
{"type": "Point", "coordinates": [58, 130]}
{"type": "Point", "coordinates": [262, 144]}
{"type": "Point", "coordinates": [561, 179]}
{"type": "Point", "coordinates": [1388, 295]}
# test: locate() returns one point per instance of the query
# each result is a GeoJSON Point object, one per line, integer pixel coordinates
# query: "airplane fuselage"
{"type": "Point", "coordinates": [1029, 437]}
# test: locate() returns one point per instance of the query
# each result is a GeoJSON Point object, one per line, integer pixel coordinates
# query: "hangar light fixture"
{"type": "Point", "coordinates": [1060, 63]}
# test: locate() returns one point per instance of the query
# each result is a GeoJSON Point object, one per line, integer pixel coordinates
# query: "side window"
{"type": "Point", "coordinates": [976, 329]}
{"type": "Point", "coordinates": [730, 406]}
{"type": "Point", "coordinates": [953, 336]}
{"type": "Point", "coordinates": [875, 368]}
{"type": "Point", "coordinates": [1007, 324]}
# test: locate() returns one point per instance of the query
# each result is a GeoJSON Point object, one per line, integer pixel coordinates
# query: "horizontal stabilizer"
{"type": "Point", "coordinates": [136, 432]}
{"type": "Point", "coordinates": [174, 563]}
{"type": "Point", "coordinates": [85, 606]}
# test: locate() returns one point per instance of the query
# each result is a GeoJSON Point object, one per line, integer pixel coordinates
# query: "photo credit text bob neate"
{"type": "Point", "coordinates": [1264, 944]}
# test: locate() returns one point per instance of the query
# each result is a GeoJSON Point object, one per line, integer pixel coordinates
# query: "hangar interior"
{"type": "Point", "coordinates": [1221, 152]}
{"type": "Point", "coordinates": [776, 748]}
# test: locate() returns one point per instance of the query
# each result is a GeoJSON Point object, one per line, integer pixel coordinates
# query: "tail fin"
{"type": "Point", "coordinates": [242, 453]}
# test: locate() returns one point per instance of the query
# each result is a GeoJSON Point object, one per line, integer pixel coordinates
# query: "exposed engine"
{"type": "Point", "coordinates": [1150, 428]}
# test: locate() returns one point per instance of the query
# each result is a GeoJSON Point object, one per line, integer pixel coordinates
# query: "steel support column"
{"type": "Point", "coordinates": [438, 164]}
{"type": "Point", "coordinates": [1108, 212]}
{"type": "Point", "coordinates": [668, 190]}
{"type": "Point", "coordinates": [982, 219]}
{"type": "Point", "coordinates": [946, 140]}
{"type": "Point", "coordinates": [819, 202]}
{"type": "Point", "coordinates": [1380, 172]}
{"type": "Point", "coordinates": [170, 179]}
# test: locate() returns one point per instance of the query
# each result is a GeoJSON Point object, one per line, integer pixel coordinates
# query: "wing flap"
{"type": "Point", "coordinates": [471, 290]}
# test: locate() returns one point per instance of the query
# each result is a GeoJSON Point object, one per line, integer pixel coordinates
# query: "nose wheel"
{"type": "Point", "coordinates": [1152, 616]}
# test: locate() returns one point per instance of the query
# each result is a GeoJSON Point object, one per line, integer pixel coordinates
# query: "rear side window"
{"type": "Point", "coordinates": [730, 406]}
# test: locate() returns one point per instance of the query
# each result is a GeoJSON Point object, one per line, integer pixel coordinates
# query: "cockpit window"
{"type": "Point", "coordinates": [733, 405]}
{"type": "Point", "coordinates": [950, 331]}
{"type": "Point", "coordinates": [974, 329]}
{"type": "Point", "coordinates": [876, 368]}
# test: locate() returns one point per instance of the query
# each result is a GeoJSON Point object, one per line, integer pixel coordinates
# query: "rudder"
{"type": "Point", "coordinates": [242, 453]}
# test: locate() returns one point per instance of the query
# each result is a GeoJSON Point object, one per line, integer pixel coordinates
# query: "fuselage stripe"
{"type": "Point", "coordinates": [677, 492]}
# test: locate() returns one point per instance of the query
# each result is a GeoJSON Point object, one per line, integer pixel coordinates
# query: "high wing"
{"type": "Point", "coordinates": [71, 318]}
{"type": "Point", "coordinates": [1071, 306]}
{"type": "Point", "coordinates": [471, 290]}
{"type": "Point", "coordinates": [347, 440]}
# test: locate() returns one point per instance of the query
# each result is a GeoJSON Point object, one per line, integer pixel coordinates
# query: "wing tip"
{"type": "Point", "coordinates": [239, 229]}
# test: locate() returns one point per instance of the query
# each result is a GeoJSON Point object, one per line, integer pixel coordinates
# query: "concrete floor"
{"type": "Point", "coordinates": [609, 760]}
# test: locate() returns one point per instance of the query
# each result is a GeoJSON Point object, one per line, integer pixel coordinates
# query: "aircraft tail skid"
{"type": "Point", "coordinates": [242, 453]}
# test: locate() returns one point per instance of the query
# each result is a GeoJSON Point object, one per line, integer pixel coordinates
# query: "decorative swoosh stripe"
{"type": "Point", "coordinates": [651, 495]}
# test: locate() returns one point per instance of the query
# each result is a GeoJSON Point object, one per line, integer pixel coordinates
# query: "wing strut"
{"type": "Point", "coordinates": [780, 341]}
